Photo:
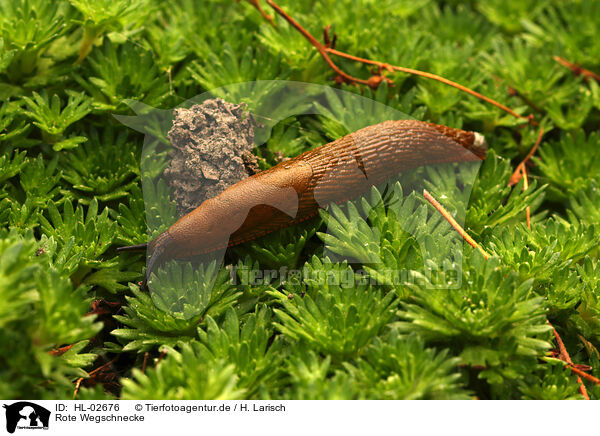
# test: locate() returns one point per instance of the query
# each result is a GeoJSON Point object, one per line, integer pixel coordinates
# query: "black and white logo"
{"type": "Point", "coordinates": [26, 416]}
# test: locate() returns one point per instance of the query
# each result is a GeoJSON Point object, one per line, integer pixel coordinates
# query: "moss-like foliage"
{"type": "Point", "coordinates": [377, 298]}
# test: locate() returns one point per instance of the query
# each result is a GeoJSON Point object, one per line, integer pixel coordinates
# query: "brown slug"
{"type": "Point", "coordinates": [294, 190]}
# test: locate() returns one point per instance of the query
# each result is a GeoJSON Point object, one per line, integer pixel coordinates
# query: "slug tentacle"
{"type": "Point", "coordinates": [138, 247]}
{"type": "Point", "coordinates": [159, 246]}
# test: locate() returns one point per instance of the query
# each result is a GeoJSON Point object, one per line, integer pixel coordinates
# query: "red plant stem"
{"type": "Point", "coordinates": [324, 51]}
{"type": "Point", "coordinates": [77, 385]}
{"type": "Point", "coordinates": [433, 77]}
{"type": "Point", "coordinates": [145, 362]}
{"type": "Point", "coordinates": [564, 355]}
{"type": "Point", "coordinates": [454, 224]}
{"type": "Point", "coordinates": [517, 174]}
{"type": "Point", "coordinates": [320, 47]}
{"type": "Point", "coordinates": [60, 351]}
{"type": "Point", "coordinates": [256, 4]}
{"type": "Point", "coordinates": [103, 366]}
{"type": "Point", "coordinates": [521, 171]}
{"type": "Point", "coordinates": [584, 374]}
{"type": "Point", "coordinates": [525, 187]}
{"type": "Point", "coordinates": [578, 70]}
{"type": "Point", "coordinates": [162, 355]}
{"type": "Point", "coordinates": [80, 379]}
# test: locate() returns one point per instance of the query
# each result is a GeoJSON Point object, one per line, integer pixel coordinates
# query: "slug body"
{"type": "Point", "coordinates": [293, 191]}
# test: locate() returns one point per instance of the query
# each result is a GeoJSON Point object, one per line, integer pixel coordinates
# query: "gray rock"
{"type": "Point", "coordinates": [212, 150]}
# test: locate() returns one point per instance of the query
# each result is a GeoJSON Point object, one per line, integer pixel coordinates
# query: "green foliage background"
{"type": "Point", "coordinates": [70, 193]}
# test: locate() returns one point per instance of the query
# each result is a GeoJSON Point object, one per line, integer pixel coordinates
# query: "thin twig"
{"type": "Point", "coordinates": [329, 43]}
{"type": "Point", "coordinates": [564, 355]}
{"type": "Point", "coordinates": [525, 187]}
{"type": "Point", "coordinates": [375, 80]}
{"type": "Point", "coordinates": [517, 174]}
{"type": "Point", "coordinates": [110, 362]}
{"type": "Point", "coordinates": [454, 224]}
{"type": "Point", "coordinates": [91, 373]}
{"type": "Point", "coordinates": [145, 362]}
{"type": "Point", "coordinates": [521, 172]}
{"type": "Point", "coordinates": [433, 77]}
{"type": "Point", "coordinates": [527, 101]}
{"type": "Point", "coordinates": [77, 385]}
{"type": "Point", "coordinates": [578, 70]}
{"type": "Point", "coordinates": [583, 374]}
{"type": "Point", "coordinates": [161, 356]}
{"type": "Point", "coordinates": [60, 351]}
{"type": "Point", "coordinates": [320, 47]}
{"type": "Point", "coordinates": [256, 4]}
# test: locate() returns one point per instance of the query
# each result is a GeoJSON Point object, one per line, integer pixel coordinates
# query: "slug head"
{"type": "Point", "coordinates": [158, 248]}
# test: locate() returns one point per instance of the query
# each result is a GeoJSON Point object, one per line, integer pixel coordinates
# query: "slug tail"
{"type": "Point", "coordinates": [479, 145]}
{"type": "Point", "coordinates": [472, 141]}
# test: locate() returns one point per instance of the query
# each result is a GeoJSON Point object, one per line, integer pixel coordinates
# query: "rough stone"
{"type": "Point", "coordinates": [212, 149]}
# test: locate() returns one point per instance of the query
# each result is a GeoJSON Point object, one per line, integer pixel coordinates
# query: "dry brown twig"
{"type": "Point", "coordinates": [564, 356]}
{"type": "Point", "coordinates": [578, 70]}
{"type": "Point", "coordinates": [563, 353]}
{"type": "Point", "coordinates": [521, 172]}
{"type": "Point", "coordinates": [60, 351]}
{"type": "Point", "coordinates": [320, 47]}
{"type": "Point", "coordinates": [256, 4]}
{"type": "Point", "coordinates": [516, 175]}
{"type": "Point", "coordinates": [432, 76]}
{"type": "Point", "coordinates": [583, 374]}
{"type": "Point", "coordinates": [90, 374]}
{"type": "Point", "coordinates": [146, 354]}
{"type": "Point", "coordinates": [454, 224]}
{"type": "Point", "coordinates": [325, 50]}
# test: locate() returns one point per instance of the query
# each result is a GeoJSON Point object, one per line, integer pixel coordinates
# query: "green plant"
{"type": "Point", "coordinates": [396, 367]}
{"type": "Point", "coordinates": [103, 16]}
{"type": "Point", "coordinates": [493, 315]}
{"type": "Point", "coordinates": [185, 375]}
{"type": "Point", "coordinates": [91, 169]}
{"type": "Point", "coordinates": [572, 163]}
{"type": "Point", "coordinates": [42, 311]}
{"type": "Point", "coordinates": [338, 319]}
{"type": "Point", "coordinates": [120, 72]}
{"type": "Point", "coordinates": [379, 297]}
{"type": "Point", "coordinates": [166, 315]}
{"type": "Point", "coordinates": [52, 120]}
{"type": "Point", "coordinates": [27, 28]}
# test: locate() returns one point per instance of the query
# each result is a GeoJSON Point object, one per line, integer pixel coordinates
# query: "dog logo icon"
{"type": "Point", "coordinates": [26, 415]}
